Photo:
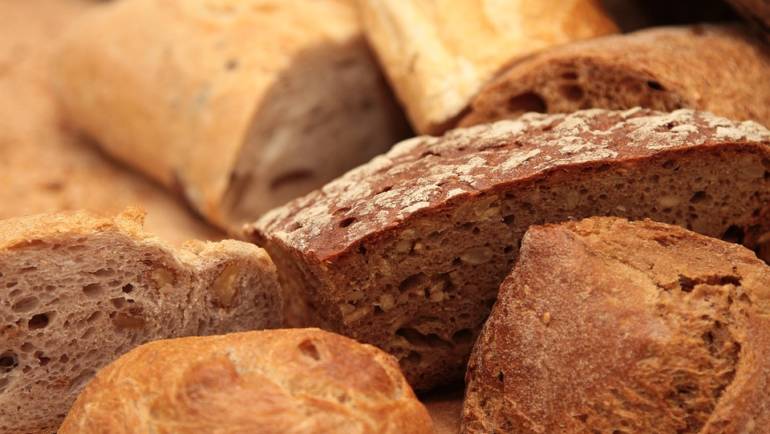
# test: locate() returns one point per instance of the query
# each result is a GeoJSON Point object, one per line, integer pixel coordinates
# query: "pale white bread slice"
{"type": "Point", "coordinates": [78, 290]}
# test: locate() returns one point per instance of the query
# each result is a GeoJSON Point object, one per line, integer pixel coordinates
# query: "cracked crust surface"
{"type": "Point", "coordinates": [78, 290]}
{"type": "Point", "coordinates": [408, 251]}
{"type": "Point", "coordinates": [280, 381]}
{"type": "Point", "coordinates": [616, 326]}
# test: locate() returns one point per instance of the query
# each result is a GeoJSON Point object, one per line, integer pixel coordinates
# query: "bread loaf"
{"type": "Point", "coordinates": [77, 290]}
{"type": "Point", "coordinates": [721, 69]}
{"type": "Point", "coordinates": [280, 381]}
{"type": "Point", "coordinates": [608, 326]}
{"type": "Point", "coordinates": [439, 53]}
{"type": "Point", "coordinates": [239, 104]}
{"type": "Point", "coordinates": [407, 252]}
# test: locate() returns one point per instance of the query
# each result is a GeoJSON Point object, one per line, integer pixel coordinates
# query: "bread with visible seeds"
{"type": "Point", "coordinates": [241, 105]}
{"type": "Point", "coordinates": [439, 53]}
{"type": "Point", "coordinates": [407, 252]}
{"type": "Point", "coordinates": [607, 325]}
{"type": "Point", "coordinates": [718, 68]}
{"type": "Point", "coordinates": [297, 381]}
{"type": "Point", "coordinates": [77, 290]}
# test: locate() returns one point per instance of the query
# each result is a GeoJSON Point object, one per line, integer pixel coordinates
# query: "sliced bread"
{"type": "Point", "coordinates": [77, 291]}
{"type": "Point", "coordinates": [407, 252]}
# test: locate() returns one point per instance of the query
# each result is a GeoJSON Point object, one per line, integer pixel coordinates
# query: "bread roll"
{"type": "Point", "coordinates": [439, 53]}
{"type": "Point", "coordinates": [46, 168]}
{"type": "Point", "coordinates": [239, 104]}
{"type": "Point", "coordinates": [721, 69]}
{"type": "Point", "coordinates": [280, 381]}
{"type": "Point", "coordinates": [407, 252]}
{"type": "Point", "coordinates": [77, 290]}
{"type": "Point", "coordinates": [608, 326]}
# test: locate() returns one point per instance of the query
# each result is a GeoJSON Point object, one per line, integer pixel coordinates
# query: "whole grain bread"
{"type": "Point", "coordinates": [270, 382]}
{"type": "Point", "coordinates": [407, 252]}
{"type": "Point", "coordinates": [77, 290]}
{"type": "Point", "coordinates": [239, 104]}
{"type": "Point", "coordinates": [439, 53]}
{"type": "Point", "coordinates": [723, 69]}
{"type": "Point", "coordinates": [606, 325]}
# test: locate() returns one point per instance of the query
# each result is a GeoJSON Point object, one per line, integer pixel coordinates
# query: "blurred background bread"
{"type": "Point", "coordinates": [240, 105]}
{"type": "Point", "coordinates": [280, 381]}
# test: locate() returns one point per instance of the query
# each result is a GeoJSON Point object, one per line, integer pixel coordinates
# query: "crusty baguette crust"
{"type": "Point", "coordinates": [608, 325]}
{"type": "Point", "coordinates": [439, 53]}
{"type": "Point", "coordinates": [77, 290]}
{"type": "Point", "coordinates": [718, 68]}
{"type": "Point", "coordinates": [290, 381]}
{"type": "Point", "coordinates": [407, 252]}
{"type": "Point", "coordinates": [240, 104]}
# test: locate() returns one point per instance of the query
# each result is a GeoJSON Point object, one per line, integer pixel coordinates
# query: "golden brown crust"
{"type": "Point", "coordinates": [663, 68]}
{"type": "Point", "coordinates": [606, 324]}
{"type": "Point", "coordinates": [280, 381]}
{"type": "Point", "coordinates": [239, 104]}
{"type": "Point", "coordinates": [439, 53]}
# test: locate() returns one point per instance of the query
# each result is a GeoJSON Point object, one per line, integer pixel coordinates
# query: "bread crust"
{"type": "Point", "coordinates": [664, 68]}
{"type": "Point", "coordinates": [606, 324]}
{"type": "Point", "coordinates": [407, 252]}
{"type": "Point", "coordinates": [77, 290]}
{"type": "Point", "coordinates": [279, 381]}
{"type": "Point", "coordinates": [438, 54]}
{"type": "Point", "coordinates": [240, 105]}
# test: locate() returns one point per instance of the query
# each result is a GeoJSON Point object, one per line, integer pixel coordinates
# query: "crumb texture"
{"type": "Point", "coordinates": [78, 290]}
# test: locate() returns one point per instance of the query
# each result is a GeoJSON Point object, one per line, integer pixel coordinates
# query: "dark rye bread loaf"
{"type": "Point", "coordinates": [721, 69]}
{"type": "Point", "coordinates": [610, 326]}
{"type": "Point", "coordinates": [407, 251]}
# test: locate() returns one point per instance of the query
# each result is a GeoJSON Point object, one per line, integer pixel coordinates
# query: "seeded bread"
{"type": "Point", "coordinates": [77, 290]}
{"type": "Point", "coordinates": [239, 104]}
{"type": "Point", "coordinates": [407, 252]}
{"type": "Point", "coordinates": [606, 325]}
{"type": "Point", "coordinates": [755, 11]}
{"type": "Point", "coordinates": [439, 53]}
{"type": "Point", "coordinates": [271, 382]}
{"type": "Point", "coordinates": [721, 69]}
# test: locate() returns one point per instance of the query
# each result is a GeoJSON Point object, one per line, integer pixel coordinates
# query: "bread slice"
{"type": "Point", "coordinates": [718, 68]}
{"type": "Point", "coordinates": [606, 325]}
{"type": "Point", "coordinates": [279, 381]}
{"type": "Point", "coordinates": [407, 252]}
{"type": "Point", "coordinates": [439, 53]}
{"type": "Point", "coordinates": [755, 11]}
{"type": "Point", "coordinates": [77, 290]}
{"type": "Point", "coordinates": [240, 105]}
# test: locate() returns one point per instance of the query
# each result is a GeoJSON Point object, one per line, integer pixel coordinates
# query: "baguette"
{"type": "Point", "coordinates": [77, 290]}
{"type": "Point", "coordinates": [271, 382]}
{"type": "Point", "coordinates": [718, 68]}
{"type": "Point", "coordinates": [439, 53]}
{"type": "Point", "coordinates": [407, 252]}
{"type": "Point", "coordinates": [606, 325]}
{"type": "Point", "coordinates": [240, 105]}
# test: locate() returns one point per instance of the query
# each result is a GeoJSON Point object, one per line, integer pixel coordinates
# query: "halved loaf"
{"type": "Point", "coordinates": [408, 251]}
{"type": "Point", "coordinates": [241, 105]}
{"type": "Point", "coordinates": [297, 381]}
{"type": "Point", "coordinates": [721, 69]}
{"type": "Point", "coordinates": [606, 325]}
{"type": "Point", "coordinates": [77, 291]}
